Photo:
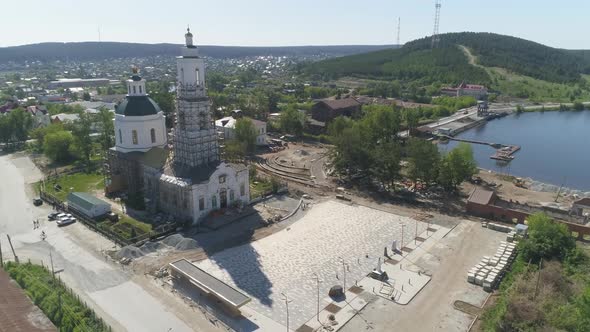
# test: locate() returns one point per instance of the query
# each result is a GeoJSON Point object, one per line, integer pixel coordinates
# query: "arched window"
{"type": "Point", "coordinates": [134, 136]}
{"type": "Point", "coordinates": [120, 137]}
{"type": "Point", "coordinates": [129, 89]}
{"type": "Point", "coordinates": [198, 76]}
{"type": "Point", "coordinates": [134, 91]}
{"type": "Point", "coordinates": [140, 90]}
{"type": "Point", "coordinates": [153, 135]}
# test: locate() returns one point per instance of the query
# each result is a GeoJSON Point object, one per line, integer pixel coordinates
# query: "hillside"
{"type": "Point", "coordinates": [109, 50]}
{"type": "Point", "coordinates": [448, 63]}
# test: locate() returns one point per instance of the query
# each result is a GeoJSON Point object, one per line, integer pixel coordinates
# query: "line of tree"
{"type": "Point", "coordinates": [371, 147]}
{"type": "Point", "coordinates": [15, 126]}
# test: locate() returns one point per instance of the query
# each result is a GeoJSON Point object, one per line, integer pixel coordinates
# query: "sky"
{"type": "Point", "coordinates": [560, 24]}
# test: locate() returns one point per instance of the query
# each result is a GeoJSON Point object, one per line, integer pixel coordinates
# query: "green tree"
{"type": "Point", "coordinates": [245, 132]}
{"type": "Point", "coordinates": [386, 163]}
{"type": "Point", "coordinates": [423, 160]}
{"type": "Point", "coordinates": [457, 166]}
{"type": "Point", "coordinates": [412, 119]}
{"type": "Point", "coordinates": [292, 121]}
{"type": "Point", "coordinates": [20, 123]}
{"type": "Point", "coordinates": [86, 96]}
{"type": "Point", "coordinates": [107, 129]}
{"type": "Point", "coordinates": [38, 134]}
{"type": "Point", "coordinates": [81, 131]}
{"type": "Point", "coordinates": [547, 239]}
{"type": "Point", "coordinates": [57, 145]}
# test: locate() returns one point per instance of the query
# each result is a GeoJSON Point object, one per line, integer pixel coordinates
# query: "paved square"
{"type": "Point", "coordinates": [286, 261]}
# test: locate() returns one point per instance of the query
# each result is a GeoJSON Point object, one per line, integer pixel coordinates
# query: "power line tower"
{"type": "Point", "coordinates": [435, 38]}
{"type": "Point", "coordinates": [399, 23]}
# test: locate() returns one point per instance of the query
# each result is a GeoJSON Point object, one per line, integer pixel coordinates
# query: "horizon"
{"type": "Point", "coordinates": [307, 23]}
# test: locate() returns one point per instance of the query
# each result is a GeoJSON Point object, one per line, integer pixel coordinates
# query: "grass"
{"type": "Point", "coordinates": [43, 289]}
{"type": "Point", "coordinates": [534, 89]}
{"type": "Point", "coordinates": [127, 227]}
{"type": "Point", "coordinates": [77, 182]}
{"type": "Point", "coordinates": [259, 187]}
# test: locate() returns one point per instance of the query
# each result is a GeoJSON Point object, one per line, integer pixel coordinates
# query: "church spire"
{"type": "Point", "coordinates": [189, 37]}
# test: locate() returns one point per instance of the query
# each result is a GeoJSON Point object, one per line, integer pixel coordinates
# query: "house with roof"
{"type": "Point", "coordinates": [227, 126]}
{"type": "Point", "coordinates": [65, 118]}
{"type": "Point", "coordinates": [40, 115]}
{"type": "Point", "coordinates": [88, 204]}
{"type": "Point", "coordinates": [581, 207]}
{"type": "Point", "coordinates": [464, 89]}
{"type": "Point", "coordinates": [327, 110]}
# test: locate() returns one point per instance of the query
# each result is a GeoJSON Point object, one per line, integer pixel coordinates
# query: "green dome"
{"type": "Point", "coordinates": [137, 106]}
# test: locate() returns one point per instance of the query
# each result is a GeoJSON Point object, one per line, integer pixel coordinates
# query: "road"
{"type": "Point", "coordinates": [125, 301]}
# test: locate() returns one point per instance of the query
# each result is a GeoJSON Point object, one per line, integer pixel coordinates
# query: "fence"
{"type": "Point", "coordinates": [159, 231]}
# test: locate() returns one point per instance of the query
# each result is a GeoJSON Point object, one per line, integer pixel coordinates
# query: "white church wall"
{"type": "Point", "coordinates": [125, 125]}
{"type": "Point", "coordinates": [210, 192]}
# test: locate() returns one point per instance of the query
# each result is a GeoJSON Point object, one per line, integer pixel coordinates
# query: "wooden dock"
{"type": "Point", "coordinates": [505, 153]}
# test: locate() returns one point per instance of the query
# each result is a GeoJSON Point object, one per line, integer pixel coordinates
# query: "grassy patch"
{"type": "Point", "coordinates": [77, 182]}
{"type": "Point", "coordinates": [43, 289]}
{"type": "Point", "coordinates": [127, 227]}
{"type": "Point", "coordinates": [260, 186]}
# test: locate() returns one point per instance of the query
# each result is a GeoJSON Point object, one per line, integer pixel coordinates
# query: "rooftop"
{"type": "Point", "coordinates": [85, 200]}
{"type": "Point", "coordinates": [340, 103]}
{"type": "Point", "coordinates": [480, 196]}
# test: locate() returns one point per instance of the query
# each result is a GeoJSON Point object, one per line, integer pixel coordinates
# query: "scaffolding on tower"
{"type": "Point", "coordinates": [435, 36]}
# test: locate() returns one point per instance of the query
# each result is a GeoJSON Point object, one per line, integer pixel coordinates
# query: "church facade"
{"type": "Point", "coordinates": [181, 174]}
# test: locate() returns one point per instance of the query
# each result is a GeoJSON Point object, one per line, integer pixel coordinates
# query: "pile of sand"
{"type": "Point", "coordinates": [150, 247]}
{"type": "Point", "coordinates": [173, 240]}
{"type": "Point", "coordinates": [130, 252]}
{"type": "Point", "coordinates": [186, 244]}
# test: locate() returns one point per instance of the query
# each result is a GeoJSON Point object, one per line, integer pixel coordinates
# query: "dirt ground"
{"type": "Point", "coordinates": [432, 309]}
{"type": "Point", "coordinates": [507, 190]}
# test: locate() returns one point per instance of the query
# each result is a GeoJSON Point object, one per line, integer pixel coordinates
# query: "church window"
{"type": "Point", "coordinates": [120, 137]}
{"type": "Point", "coordinates": [201, 203]}
{"type": "Point", "coordinates": [134, 136]}
{"type": "Point", "coordinates": [222, 179]}
{"type": "Point", "coordinates": [198, 77]}
{"type": "Point", "coordinates": [242, 189]}
{"type": "Point", "coordinates": [231, 195]}
{"type": "Point", "coordinates": [140, 90]}
{"type": "Point", "coordinates": [134, 91]}
{"type": "Point", "coordinates": [153, 135]}
{"type": "Point", "coordinates": [129, 89]}
{"type": "Point", "coordinates": [214, 201]}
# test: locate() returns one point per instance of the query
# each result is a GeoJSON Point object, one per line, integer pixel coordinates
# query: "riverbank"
{"type": "Point", "coordinates": [535, 192]}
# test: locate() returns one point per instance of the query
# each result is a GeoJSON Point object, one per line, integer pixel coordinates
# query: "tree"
{"type": "Point", "coordinates": [352, 150]}
{"type": "Point", "coordinates": [292, 121]}
{"type": "Point", "coordinates": [386, 163]}
{"type": "Point", "coordinates": [20, 123]}
{"type": "Point", "coordinates": [457, 166]}
{"type": "Point", "coordinates": [57, 145]}
{"type": "Point", "coordinates": [547, 239]}
{"type": "Point", "coordinates": [423, 159]}
{"type": "Point", "coordinates": [245, 133]}
{"type": "Point", "coordinates": [412, 119]}
{"type": "Point", "coordinates": [107, 129]}
{"type": "Point", "coordinates": [86, 96]}
{"type": "Point", "coordinates": [38, 134]}
{"type": "Point", "coordinates": [81, 130]}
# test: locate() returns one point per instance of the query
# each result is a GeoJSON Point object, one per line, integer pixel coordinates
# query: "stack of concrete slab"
{"type": "Point", "coordinates": [511, 237]}
{"type": "Point", "coordinates": [500, 227]}
{"type": "Point", "coordinates": [489, 272]}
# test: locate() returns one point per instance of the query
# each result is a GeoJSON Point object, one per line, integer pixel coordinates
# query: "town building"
{"type": "Point", "coordinates": [78, 83]}
{"type": "Point", "coordinates": [327, 110]}
{"type": "Point", "coordinates": [65, 117]}
{"type": "Point", "coordinates": [464, 89]}
{"type": "Point", "coordinates": [227, 126]}
{"type": "Point", "coordinates": [181, 173]}
{"type": "Point", "coordinates": [40, 115]}
{"type": "Point", "coordinates": [87, 204]}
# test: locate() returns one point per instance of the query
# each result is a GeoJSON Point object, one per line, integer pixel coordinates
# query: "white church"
{"type": "Point", "coordinates": [180, 173]}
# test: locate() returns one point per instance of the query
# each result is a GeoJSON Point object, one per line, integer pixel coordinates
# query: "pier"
{"type": "Point", "coordinates": [503, 152]}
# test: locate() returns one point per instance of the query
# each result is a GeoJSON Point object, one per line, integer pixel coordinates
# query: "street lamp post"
{"type": "Point", "coordinates": [402, 244]}
{"type": "Point", "coordinates": [317, 279]}
{"type": "Point", "coordinates": [344, 274]}
{"type": "Point", "coordinates": [287, 301]}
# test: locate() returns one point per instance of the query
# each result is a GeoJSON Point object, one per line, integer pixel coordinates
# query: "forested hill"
{"type": "Point", "coordinates": [109, 50]}
{"type": "Point", "coordinates": [448, 63]}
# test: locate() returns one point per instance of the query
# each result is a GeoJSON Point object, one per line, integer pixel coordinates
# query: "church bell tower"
{"type": "Point", "coordinates": [195, 138]}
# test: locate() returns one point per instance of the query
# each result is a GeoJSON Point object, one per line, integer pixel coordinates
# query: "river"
{"type": "Point", "coordinates": [555, 146]}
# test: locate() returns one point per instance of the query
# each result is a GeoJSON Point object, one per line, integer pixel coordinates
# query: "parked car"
{"type": "Point", "coordinates": [52, 216]}
{"type": "Point", "coordinates": [37, 201]}
{"type": "Point", "coordinates": [65, 221]}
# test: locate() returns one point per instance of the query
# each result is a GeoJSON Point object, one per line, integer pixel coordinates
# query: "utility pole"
{"type": "Point", "coordinates": [317, 279]}
{"type": "Point", "coordinates": [402, 244]}
{"type": "Point", "coordinates": [344, 276]}
{"type": "Point", "coordinates": [416, 237]}
{"type": "Point", "coordinates": [1, 261]}
{"type": "Point", "coordinates": [11, 247]}
{"type": "Point", "coordinates": [51, 259]}
{"type": "Point", "coordinates": [399, 24]}
{"type": "Point", "coordinates": [287, 301]}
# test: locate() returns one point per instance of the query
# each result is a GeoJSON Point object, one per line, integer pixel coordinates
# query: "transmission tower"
{"type": "Point", "coordinates": [399, 24]}
{"type": "Point", "coordinates": [435, 38]}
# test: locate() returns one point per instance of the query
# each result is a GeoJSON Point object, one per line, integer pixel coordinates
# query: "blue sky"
{"type": "Point", "coordinates": [287, 22]}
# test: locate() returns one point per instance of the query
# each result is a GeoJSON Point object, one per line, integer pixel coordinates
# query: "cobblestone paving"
{"type": "Point", "coordinates": [285, 262]}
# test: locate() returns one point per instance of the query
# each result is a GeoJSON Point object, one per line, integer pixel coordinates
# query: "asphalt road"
{"type": "Point", "coordinates": [77, 258]}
